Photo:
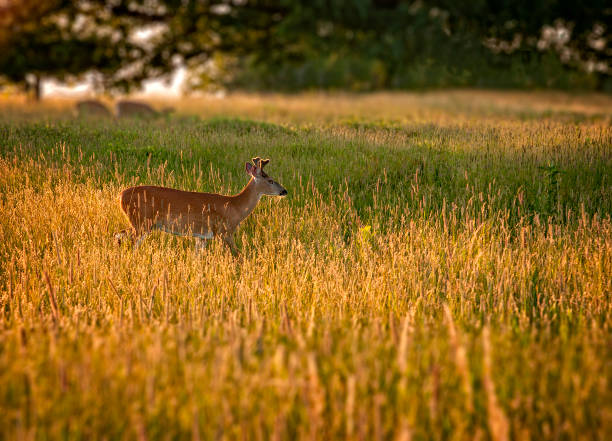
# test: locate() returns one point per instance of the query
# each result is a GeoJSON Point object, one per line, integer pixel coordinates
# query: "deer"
{"type": "Point", "coordinates": [92, 108]}
{"type": "Point", "coordinates": [125, 108]}
{"type": "Point", "coordinates": [200, 215]}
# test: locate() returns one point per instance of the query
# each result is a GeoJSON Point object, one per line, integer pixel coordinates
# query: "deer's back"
{"type": "Point", "coordinates": [175, 210]}
{"type": "Point", "coordinates": [134, 108]}
{"type": "Point", "coordinates": [92, 107]}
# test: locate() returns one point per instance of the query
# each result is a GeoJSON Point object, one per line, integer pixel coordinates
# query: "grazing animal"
{"type": "Point", "coordinates": [201, 215]}
{"type": "Point", "coordinates": [127, 108]}
{"type": "Point", "coordinates": [92, 108]}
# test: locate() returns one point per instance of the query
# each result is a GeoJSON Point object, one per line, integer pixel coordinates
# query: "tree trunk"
{"type": "Point", "coordinates": [38, 88]}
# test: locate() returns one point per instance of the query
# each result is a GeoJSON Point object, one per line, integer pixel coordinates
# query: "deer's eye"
{"type": "Point", "coordinates": [270, 181]}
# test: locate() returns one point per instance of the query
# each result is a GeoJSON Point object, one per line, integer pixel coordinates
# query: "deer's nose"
{"type": "Point", "coordinates": [283, 193]}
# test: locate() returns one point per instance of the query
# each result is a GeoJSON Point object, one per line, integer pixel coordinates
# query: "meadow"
{"type": "Point", "coordinates": [441, 269]}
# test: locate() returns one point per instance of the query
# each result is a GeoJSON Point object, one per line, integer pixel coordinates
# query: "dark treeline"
{"type": "Point", "coordinates": [293, 45]}
{"type": "Point", "coordinates": [396, 44]}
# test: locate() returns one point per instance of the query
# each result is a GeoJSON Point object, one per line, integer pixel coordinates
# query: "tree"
{"type": "Point", "coordinates": [379, 42]}
{"type": "Point", "coordinates": [65, 39]}
{"type": "Point", "coordinates": [578, 32]}
{"type": "Point", "coordinates": [483, 37]}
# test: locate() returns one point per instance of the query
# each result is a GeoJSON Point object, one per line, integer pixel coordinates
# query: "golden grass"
{"type": "Point", "coordinates": [425, 279]}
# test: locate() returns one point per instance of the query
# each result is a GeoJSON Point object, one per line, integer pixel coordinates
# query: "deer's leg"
{"type": "Point", "coordinates": [135, 237]}
{"type": "Point", "coordinates": [122, 235]}
{"type": "Point", "coordinates": [200, 245]}
{"type": "Point", "coordinates": [229, 241]}
{"type": "Point", "coordinates": [139, 238]}
{"type": "Point", "coordinates": [141, 228]}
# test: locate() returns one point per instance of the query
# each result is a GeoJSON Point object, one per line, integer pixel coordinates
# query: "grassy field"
{"type": "Point", "coordinates": [441, 269]}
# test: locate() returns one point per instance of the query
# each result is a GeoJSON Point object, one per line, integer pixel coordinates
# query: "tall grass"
{"type": "Point", "coordinates": [423, 280]}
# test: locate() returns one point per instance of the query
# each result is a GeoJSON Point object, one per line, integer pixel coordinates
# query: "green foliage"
{"type": "Point", "coordinates": [66, 39]}
{"type": "Point", "coordinates": [293, 45]}
{"type": "Point", "coordinates": [363, 74]}
{"type": "Point", "coordinates": [368, 45]}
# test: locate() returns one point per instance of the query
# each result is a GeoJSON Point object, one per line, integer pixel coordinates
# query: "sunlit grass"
{"type": "Point", "coordinates": [440, 270]}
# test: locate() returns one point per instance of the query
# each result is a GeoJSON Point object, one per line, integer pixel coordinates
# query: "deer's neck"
{"type": "Point", "coordinates": [245, 201]}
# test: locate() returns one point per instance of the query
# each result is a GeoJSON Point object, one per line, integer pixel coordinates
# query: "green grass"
{"type": "Point", "coordinates": [440, 270]}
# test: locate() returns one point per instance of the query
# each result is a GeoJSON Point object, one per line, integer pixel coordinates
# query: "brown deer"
{"type": "Point", "coordinates": [201, 215]}
{"type": "Point", "coordinates": [125, 108]}
{"type": "Point", "coordinates": [92, 108]}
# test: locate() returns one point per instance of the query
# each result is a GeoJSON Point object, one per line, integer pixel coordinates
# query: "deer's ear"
{"type": "Point", "coordinates": [250, 169]}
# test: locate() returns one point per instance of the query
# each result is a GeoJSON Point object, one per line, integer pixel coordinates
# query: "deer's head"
{"type": "Point", "coordinates": [265, 184]}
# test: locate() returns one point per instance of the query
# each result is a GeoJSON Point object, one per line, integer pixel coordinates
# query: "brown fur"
{"type": "Point", "coordinates": [126, 108]}
{"type": "Point", "coordinates": [203, 215]}
{"type": "Point", "coordinates": [92, 108]}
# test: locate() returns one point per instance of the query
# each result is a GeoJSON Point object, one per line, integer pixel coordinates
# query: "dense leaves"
{"type": "Point", "coordinates": [286, 44]}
